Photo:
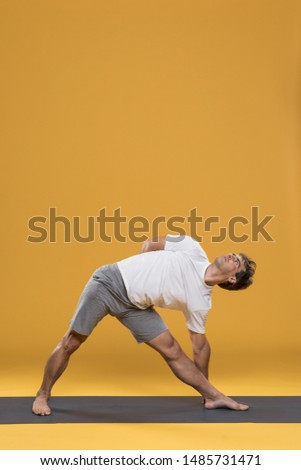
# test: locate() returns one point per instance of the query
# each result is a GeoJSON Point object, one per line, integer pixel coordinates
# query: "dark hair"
{"type": "Point", "coordinates": [243, 278]}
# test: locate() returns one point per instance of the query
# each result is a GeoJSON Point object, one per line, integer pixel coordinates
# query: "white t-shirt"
{"type": "Point", "coordinates": [171, 278]}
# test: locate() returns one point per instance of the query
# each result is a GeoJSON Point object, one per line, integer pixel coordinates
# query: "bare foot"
{"type": "Point", "coordinates": [224, 402]}
{"type": "Point", "coordinates": [40, 406]}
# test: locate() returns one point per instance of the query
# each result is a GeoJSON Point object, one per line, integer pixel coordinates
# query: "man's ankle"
{"type": "Point", "coordinates": [42, 394]}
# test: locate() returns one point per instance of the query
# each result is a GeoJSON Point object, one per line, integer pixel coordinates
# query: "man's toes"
{"type": "Point", "coordinates": [41, 411]}
{"type": "Point", "coordinates": [244, 407]}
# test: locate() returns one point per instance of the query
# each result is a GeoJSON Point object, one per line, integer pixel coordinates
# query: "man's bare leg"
{"type": "Point", "coordinates": [54, 368]}
{"type": "Point", "coordinates": [187, 372]}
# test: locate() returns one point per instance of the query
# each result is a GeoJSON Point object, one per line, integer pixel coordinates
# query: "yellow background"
{"type": "Point", "coordinates": [155, 107]}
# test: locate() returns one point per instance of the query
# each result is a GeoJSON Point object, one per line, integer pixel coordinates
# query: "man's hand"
{"type": "Point", "coordinates": [201, 351]}
{"type": "Point", "coordinates": [154, 244]}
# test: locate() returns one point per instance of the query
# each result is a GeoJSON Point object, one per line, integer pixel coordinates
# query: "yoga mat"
{"type": "Point", "coordinates": [129, 409]}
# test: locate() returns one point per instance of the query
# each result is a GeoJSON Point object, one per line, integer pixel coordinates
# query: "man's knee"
{"type": "Point", "coordinates": [173, 351]}
{"type": "Point", "coordinates": [72, 341]}
{"type": "Point", "coordinates": [167, 346]}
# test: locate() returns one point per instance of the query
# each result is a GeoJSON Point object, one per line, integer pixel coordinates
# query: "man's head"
{"type": "Point", "coordinates": [238, 271]}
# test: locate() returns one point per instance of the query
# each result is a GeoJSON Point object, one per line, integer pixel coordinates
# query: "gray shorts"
{"type": "Point", "coordinates": [105, 293]}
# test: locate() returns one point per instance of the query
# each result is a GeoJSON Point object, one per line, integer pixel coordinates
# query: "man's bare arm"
{"type": "Point", "coordinates": [201, 352]}
{"type": "Point", "coordinates": [154, 244]}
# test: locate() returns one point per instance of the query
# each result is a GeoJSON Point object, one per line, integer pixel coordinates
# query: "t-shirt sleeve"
{"type": "Point", "coordinates": [196, 320]}
{"type": "Point", "coordinates": [185, 244]}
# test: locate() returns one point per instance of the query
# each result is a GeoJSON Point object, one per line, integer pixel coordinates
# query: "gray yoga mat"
{"type": "Point", "coordinates": [115, 409]}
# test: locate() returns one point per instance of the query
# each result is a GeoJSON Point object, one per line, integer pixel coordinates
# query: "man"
{"type": "Point", "coordinates": [171, 272]}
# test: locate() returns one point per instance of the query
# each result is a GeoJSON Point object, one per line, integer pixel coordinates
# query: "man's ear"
{"type": "Point", "coordinates": [232, 279]}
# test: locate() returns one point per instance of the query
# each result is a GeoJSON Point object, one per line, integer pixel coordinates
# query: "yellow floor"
{"type": "Point", "coordinates": [151, 436]}
{"type": "Point", "coordinates": [97, 376]}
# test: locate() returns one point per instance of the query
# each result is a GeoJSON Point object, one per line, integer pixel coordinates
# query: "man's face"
{"type": "Point", "coordinates": [230, 264]}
